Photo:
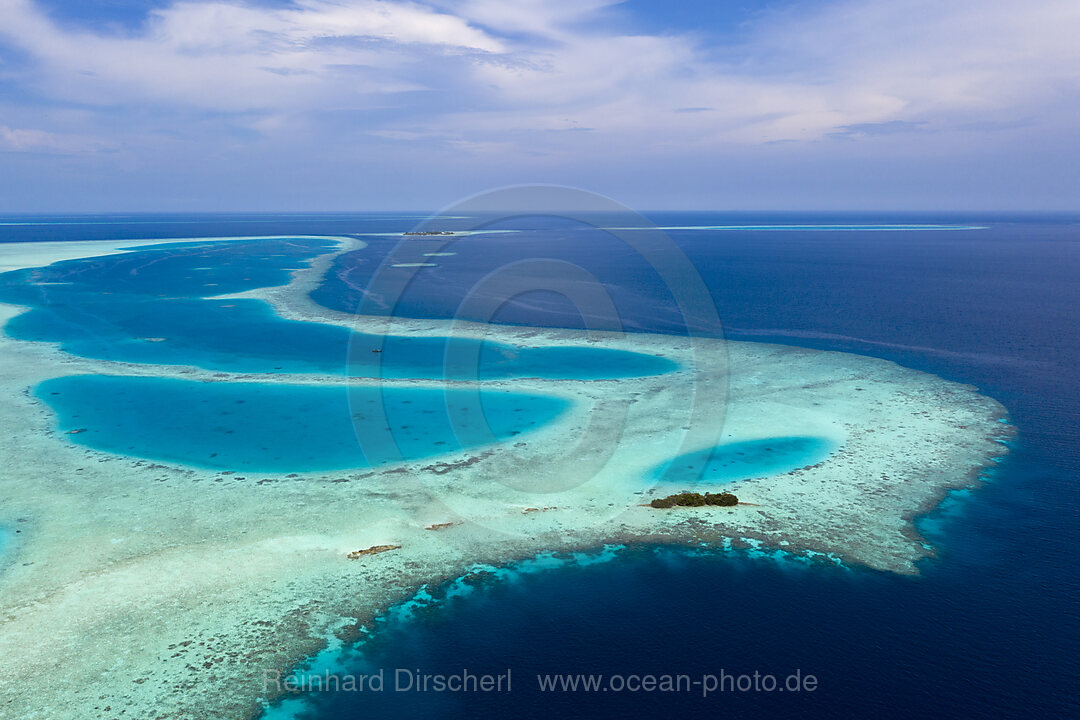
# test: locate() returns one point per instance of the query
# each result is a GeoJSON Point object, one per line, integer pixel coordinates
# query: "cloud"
{"type": "Point", "coordinates": [30, 140]}
{"type": "Point", "coordinates": [238, 57]}
{"type": "Point", "coordinates": [962, 56]}
{"type": "Point", "coordinates": [802, 73]}
{"type": "Point", "coordinates": [890, 127]}
{"type": "Point", "coordinates": [544, 19]}
{"type": "Point", "coordinates": [506, 86]}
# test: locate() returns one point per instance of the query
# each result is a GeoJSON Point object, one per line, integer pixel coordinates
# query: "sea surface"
{"type": "Point", "coordinates": [239, 426]}
{"type": "Point", "coordinates": [7, 543]}
{"type": "Point", "coordinates": [160, 305]}
{"type": "Point", "coordinates": [990, 627]}
{"type": "Point", "coordinates": [741, 460]}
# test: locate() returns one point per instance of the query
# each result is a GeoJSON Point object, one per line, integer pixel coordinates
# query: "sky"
{"type": "Point", "coordinates": [262, 105]}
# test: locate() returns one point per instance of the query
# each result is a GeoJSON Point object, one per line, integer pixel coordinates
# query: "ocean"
{"type": "Point", "coordinates": [989, 627]}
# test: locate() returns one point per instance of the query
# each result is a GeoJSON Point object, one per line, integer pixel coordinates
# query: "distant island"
{"type": "Point", "coordinates": [430, 232]}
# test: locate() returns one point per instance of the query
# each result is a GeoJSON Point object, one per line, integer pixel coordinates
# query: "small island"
{"type": "Point", "coordinates": [693, 499]}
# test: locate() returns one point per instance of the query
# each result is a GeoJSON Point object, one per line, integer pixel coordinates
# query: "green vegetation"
{"type": "Point", "coordinates": [692, 499]}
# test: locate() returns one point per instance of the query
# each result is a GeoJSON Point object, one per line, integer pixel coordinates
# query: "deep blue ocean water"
{"type": "Point", "coordinates": [989, 628]}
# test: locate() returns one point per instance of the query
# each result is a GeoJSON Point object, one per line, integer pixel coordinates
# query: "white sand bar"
{"type": "Point", "coordinates": [142, 589]}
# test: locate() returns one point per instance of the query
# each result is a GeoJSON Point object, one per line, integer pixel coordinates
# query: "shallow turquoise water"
{"type": "Point", "coordinates": [740, 460]}
{"type": "Point", "coordinates": [7, 542]}
{"type": "Point", "coordinates": [173, 270]}
{"type": "Point", "coordinates": [285, 428]}
{"type": "Point", "coordinates": [151, 306]}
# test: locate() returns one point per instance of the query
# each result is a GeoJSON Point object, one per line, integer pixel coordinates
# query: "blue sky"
{"type": "Point", "coordinates": [380, 104]}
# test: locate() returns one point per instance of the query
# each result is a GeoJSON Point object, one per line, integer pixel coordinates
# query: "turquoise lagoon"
{"type": "Point", "coordinates": [154, 306]}
{"type": "Point", "coordinates": [271, 427]}
{"type": "Point", "coordinates": [745, 459]}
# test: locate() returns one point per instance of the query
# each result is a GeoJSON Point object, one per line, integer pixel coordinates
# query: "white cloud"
{"type": "Point", "coordinates": [540, 18]}
{"type": "Point", "coordinates": [230, 28]}
{"type": "Point", "coordinates": [236, 57]}
{"type": "Point", "coordinates": [31, 140]}
{"type": "Point", "coordinates": [799, 76]}
{"type": "Point", "coordinates": [961, 55]}
{"type": "Point", "coordinates": [504, 75]}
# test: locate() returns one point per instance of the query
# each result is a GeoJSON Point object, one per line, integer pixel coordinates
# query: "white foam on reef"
{"type": "Point", "coordinates": [450, 234]}
{"type": "Point", "coordinates": [815, 227]}
{"type": "Point", "coordinates": [158, 589]}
